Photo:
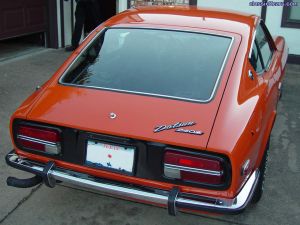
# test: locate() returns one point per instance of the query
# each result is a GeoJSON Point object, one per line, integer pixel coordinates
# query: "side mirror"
{"type": "Point", "coordinates": [279, 43]}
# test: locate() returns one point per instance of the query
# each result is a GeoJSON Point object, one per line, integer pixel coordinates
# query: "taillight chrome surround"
{"type": "Point", "coordinates": [169, 171]}
{"type": "Point", "coordinates": [217, 175]}
{"type": "Point", "coordinates": [37, 138]}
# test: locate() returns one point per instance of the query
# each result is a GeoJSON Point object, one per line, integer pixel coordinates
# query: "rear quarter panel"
{"type": "Point", "coordinates": [247, 114]}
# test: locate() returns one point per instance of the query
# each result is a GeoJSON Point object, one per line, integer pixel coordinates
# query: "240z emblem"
{"type": "Point", "coordinates": [178, 128]}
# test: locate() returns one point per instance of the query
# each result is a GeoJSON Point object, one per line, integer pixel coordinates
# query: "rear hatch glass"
{"type": "Point", "coordinates": [165, 63]}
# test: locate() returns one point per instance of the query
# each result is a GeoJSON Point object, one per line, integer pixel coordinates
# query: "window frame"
{"type": "Point", "coordinates": [255, 45]}
{"type": "Point", "coordinates": [271, 43]}
{"type": "Point", "coordinates": [285, 20]}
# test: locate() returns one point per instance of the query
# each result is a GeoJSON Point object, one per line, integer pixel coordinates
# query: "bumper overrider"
{"type": "Point", "coordinates": [173, 200]}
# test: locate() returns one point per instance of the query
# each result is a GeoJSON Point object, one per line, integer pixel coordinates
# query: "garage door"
{"type": "Point", "coordinates": [20, 17]}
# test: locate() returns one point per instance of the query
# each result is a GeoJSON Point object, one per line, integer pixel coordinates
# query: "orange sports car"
{"type": "Point", "coordinates": [169, 106]}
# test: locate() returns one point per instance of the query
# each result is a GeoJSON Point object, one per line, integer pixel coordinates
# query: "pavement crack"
{"type": "Point", "coordinates": [20, 203]}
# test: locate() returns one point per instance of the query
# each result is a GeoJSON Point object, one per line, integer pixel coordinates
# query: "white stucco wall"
{"type": "Point", "coordinates": [273, 19]}
{"type": "Point", "coordinates": [67, 22]}
{"type": "Point", "coordinates": [238, 5]}
{"type": "Point", "coordinates": [58, 24]}
{"type": "Point", "coordinates": [122, 4]}
{"type": "Point", "coordinates": [291, 35]}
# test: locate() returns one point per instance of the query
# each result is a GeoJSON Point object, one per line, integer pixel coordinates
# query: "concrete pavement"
{"type": "Point", "coordinates": [18, 79]}
{"type": "Point", "coordinates": [41, 205]}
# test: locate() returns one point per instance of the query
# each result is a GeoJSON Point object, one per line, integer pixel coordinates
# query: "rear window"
{"type": "Point", "coordinates": [174, 64]}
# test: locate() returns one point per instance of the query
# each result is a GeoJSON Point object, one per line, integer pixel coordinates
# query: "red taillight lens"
{"type": "Point", "coordinates": [39, 133]}
{"type": "Point", "coordinates": [193, 168]}
{"type": "Point", "coordinates": [39, 138]}
{"type": "Point", "coordinates": [180, 159]}
{"type": "Point", "coordinates": [202, 178]}
{"type": "Point", "coordinates": [31, 145]}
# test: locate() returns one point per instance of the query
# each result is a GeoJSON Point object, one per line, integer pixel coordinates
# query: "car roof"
{"type": "Point", "coordinates": [187, 16]}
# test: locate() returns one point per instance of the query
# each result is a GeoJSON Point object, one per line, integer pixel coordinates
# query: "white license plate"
{"type": "Point", "coordinates": [110, 156]}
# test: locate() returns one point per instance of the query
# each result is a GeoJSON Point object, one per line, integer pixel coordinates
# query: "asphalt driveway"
{"type": "Point", "coordinates": [280, 204]}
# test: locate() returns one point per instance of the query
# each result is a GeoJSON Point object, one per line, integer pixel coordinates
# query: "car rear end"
{"type": "Point", "coordinates": [139, 131]}
{"type": "Point", "coordinates": [153, 173]}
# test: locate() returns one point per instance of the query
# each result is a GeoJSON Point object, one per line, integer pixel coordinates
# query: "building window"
{"type": "Point", "coordinates": [135, 3]}
{"type": "Point", "coordinates": [290, 15]}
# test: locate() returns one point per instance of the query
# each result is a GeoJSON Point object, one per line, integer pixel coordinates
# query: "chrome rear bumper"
{"type": "Point", "coordinates": [173, 200]}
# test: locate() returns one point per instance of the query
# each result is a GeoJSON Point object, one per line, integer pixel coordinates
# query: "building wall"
{"type": "Point", "coordinates": [68, 22]}
{"type": "Point", "coordinates": [122, 5]}
{"type": "Point", "coordinates": [59, 21]}
{"type": "Point", "coordinates": [273, 19]}
{"type": "Point", "coordinates": [238, 5]}
{"type": "Point", "coordinates": [291, 35]}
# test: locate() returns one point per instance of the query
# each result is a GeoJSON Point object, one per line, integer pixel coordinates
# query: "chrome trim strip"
{"type": "Point", "coordinates": [221, 71]}
{"type": "Point", "coordinates": [252, 43]}
{"type": "Point", "coordinates": [39, 141]}
{"type": "Point", "coordinates": [128, 192]}
{"type": "Point", "coordinates": [145, 93]}
{"type": "Point", "coordinates": [194, 170]}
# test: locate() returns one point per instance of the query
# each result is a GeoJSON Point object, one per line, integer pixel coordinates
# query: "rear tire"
{"type": "Point", "coordinates": [262, 171]}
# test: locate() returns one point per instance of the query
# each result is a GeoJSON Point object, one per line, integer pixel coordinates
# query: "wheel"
{"type": "Point", "coordinates": [262, 171]}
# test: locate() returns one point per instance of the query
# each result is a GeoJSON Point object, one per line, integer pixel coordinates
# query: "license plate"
{"type": "Point", "coordinates": [110, 156]}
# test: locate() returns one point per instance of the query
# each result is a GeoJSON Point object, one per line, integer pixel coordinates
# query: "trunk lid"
{"type": "Point", "coordinates": [136, 116]}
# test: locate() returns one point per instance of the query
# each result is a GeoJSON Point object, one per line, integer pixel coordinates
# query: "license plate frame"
{"type": "Point", "coordinates": [106, 156]}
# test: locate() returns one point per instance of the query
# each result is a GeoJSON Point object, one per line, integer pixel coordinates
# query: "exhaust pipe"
{"type": "Point", "coordinates": [24, 183]}
{"type": "Point", "coordinates": [40, 176]}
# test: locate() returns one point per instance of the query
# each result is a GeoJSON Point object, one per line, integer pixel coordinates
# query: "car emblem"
{"type": "Point", "coordinates": [195, 132]}
{"type": "Point", "coordinates": [112, 115]}
{"type": "Point", "coordinates": [178, 128]}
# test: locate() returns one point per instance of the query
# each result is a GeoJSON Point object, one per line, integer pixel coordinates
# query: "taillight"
{"type": "Point", "coordinates": [39, 139]}
{"type": "Point", "coordinates": [193, 168]}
